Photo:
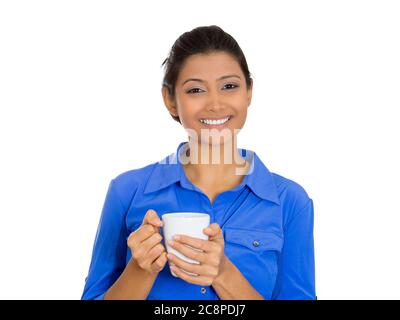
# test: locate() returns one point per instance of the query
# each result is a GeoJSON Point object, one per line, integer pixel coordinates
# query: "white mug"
{"type": "Point", "coordinates": [184, 223]}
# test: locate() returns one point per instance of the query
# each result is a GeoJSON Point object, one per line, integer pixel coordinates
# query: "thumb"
{"type": "Point", "coordinates": [213, 231]}
{"type": "Point", "coordinates": [152, 218]}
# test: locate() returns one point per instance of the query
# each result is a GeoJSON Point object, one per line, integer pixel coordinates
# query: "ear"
{"type": "Point", "coordinates": [169, 103]}
{"type": "Point", "coordinates": [250, 93]}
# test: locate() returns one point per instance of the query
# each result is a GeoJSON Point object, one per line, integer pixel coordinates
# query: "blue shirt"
{"type": "Point", "coordinates": [267, 222]}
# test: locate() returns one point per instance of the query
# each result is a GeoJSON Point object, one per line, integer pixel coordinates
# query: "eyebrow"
{"type": "Point", "coordinates": [200, 80]}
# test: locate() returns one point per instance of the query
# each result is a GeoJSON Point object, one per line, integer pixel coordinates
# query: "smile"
{"type": "Point", "coordinates": [216, 122]}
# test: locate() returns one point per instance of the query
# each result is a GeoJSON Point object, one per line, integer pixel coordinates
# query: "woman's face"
{"type": "Point", "coordinates": [219, 92]}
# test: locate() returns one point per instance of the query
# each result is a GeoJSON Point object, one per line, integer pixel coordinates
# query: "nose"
{"type": "Point", "coordinates": [214, 101]}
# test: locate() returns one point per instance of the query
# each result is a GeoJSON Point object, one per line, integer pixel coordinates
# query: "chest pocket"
{"type": "Point", "coordinates": [255, 253]}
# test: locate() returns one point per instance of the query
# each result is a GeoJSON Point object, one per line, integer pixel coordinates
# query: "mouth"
{"type": "Point", "coordinates": [216, 123]}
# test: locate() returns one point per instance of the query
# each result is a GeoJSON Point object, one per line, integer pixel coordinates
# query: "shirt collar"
{"type": "Point", "coordinates": [169, 170]}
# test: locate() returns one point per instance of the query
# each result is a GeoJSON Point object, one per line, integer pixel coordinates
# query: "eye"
{"type": "Point", "coordinates": [231, 84]}
{"type": "Point", "coordinates": [191, 90]}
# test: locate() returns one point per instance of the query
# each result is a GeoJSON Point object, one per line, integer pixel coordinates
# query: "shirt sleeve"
{"type": "Point", "coordinates": [109, 249]}
{"type": "Point", "coordinates": [296, 271]}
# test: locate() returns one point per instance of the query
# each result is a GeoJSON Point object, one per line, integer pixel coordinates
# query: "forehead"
{"type": "Point", "coordinates": [209, 66]}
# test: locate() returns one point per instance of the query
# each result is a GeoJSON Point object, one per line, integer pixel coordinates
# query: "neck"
{"type": "Point", "coordinates": [214, 162]}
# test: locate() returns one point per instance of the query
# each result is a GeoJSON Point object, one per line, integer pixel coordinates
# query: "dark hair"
{"type": "Point", "coordinates": [204, 39]}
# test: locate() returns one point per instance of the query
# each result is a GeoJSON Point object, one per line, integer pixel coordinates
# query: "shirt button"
{"type": "Point", "coordinates": [203, 290]}
{"type": "Point", "coordinates": [256, 243]}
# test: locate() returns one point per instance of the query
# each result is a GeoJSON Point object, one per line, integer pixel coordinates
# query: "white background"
{"type": "Point", "coordinates": [80, 102]}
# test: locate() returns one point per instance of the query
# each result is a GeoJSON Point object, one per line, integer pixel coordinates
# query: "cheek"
{"type": "Point", "coordinates": [189, 106]}
{"type": "Point", "coordinates": [189, 120]}
{"type": "Point", "coordinates": [188, 114]}
{"type": "Point", "coordinates": [244, 115]}
{"type": "Point", "coordinates": [241, 114]}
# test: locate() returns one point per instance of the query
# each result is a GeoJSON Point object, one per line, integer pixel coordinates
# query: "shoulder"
{"type": "Point", "coordinates": [293, 197]}
{"type": "Point", "coordinates": [132, 177]}
{"type": "Point", "coordinates": [290, 190]}
{"type": "Point", "coordinates": [128, 183]}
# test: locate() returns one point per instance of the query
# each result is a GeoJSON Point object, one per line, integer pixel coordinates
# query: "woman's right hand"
{"type": "Point", "coordinates": [145, 244]}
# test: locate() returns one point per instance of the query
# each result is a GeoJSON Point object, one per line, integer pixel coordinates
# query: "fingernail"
{"type": "Point", "coordinates": [171, 243]}
{"type": "Point", "coordinates": [176, 237]}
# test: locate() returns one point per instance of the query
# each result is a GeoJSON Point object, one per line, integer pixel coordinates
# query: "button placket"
{"type": "Point", "coordinates": [220, 208]}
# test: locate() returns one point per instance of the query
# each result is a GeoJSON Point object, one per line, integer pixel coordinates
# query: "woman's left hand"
{"type": "Point", "coordinates": [211, 259]}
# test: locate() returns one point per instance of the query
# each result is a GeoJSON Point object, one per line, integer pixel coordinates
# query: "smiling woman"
{"type": "Point", "coordinates": [260, 238]}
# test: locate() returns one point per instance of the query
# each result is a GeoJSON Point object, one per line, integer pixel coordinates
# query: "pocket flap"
{"type": "Point", "coordinates": [254, 239]}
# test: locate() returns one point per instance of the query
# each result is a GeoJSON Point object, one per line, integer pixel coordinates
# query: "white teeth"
{"type": "Point", "coordinates": [221, 121]}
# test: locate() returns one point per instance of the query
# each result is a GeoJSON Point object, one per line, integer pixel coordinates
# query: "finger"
{"type": "Point", "coordinates": [155, 252]}
{"type": "Point", "coordinates": [213, 230]}
{"type": "Point", "coordinates": [144, 232]}
{"type": "Point", "coordinates": [199, 280]}
{"type": "Point", "coordinates": [159, 263]}
{"type": "Point", "coordinates": [190, 267]}
{"type": "Point", "coordinates": [151, 242]}
{"type": "Point", "coordinates": [196, 243]}
{"type": "Point", "coordinates": [189, 252]}
{"type": "Point", "coordinates": [152, 218]}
